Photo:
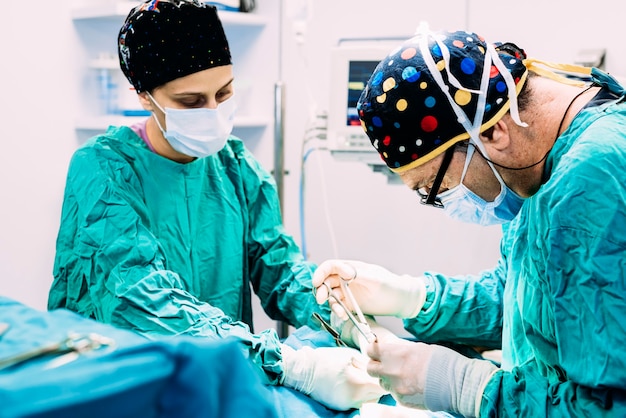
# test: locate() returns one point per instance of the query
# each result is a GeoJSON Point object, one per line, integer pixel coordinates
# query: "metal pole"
{"type": "Point", "coordinates": [279, 144]}
{"type": "Point", "coordinates": [279, 166]}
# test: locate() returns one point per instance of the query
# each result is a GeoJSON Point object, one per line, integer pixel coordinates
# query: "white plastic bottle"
{"type": "Point", "coordinates": [107, 87]}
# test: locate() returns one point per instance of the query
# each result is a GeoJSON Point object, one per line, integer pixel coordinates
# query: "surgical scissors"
{"type": "Point", "coordinates": [74, 344]}
{"type": "Point", "coordinates": [360, 323]}
{"type": "Point", "coordinates": [328, 328]}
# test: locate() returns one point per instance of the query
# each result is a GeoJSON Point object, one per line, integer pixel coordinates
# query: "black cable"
{"type": "Point", "coordinates": [550, 149]}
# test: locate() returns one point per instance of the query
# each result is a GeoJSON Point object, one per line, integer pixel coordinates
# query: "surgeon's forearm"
{"type": "Point", "coordinates": [157, 309]}
{"type": "Point", "coordinates": [456, 308]}
{"type": "Point", "coordinates": [282, 280]}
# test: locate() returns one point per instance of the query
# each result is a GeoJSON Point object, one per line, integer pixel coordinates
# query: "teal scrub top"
{"type": "Point", "coordinates": [164, 248]}
{"type": "Point", "coordinates": [557, 299]}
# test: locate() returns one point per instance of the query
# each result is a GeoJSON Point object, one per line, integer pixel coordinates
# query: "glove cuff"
{"type": "Point", "coordinates": [415, 297]}
{"type": "Point", "coordinates": [455, 383]}
{"type": "Point", "coordinates": [297, 372]}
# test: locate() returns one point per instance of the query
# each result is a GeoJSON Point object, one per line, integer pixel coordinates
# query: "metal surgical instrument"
{"type": "Point", "coordinates": [361, 323]}
{"type": "Point", "coordinates": [328, 328]}
{"type": "Point", "coordinates": [73, 344]}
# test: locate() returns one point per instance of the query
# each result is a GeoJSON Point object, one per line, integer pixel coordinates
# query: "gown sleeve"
{"type": "Point", "coordinates": [584, 372]}
{"type": "Point", "coordinates": [280, 275]}
{"type": "Point", "coordinates": [110, 266]}
{"type": "Point", "coordinates": [462, 309]}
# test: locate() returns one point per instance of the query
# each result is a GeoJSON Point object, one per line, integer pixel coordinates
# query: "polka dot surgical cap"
{"type": "Point", "coordinates": [164, 40]}
{"type": "Point", "coordinates": [420, 99]}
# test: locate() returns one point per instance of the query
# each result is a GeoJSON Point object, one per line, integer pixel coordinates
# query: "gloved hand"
{"type": "Point", "coordinates": [428, 376]}
{"type": "Point", "coordinates": [334, 376]}
{"type": "Point", "coordinates": [350, 334]}
{"type": "Point", "coordinates": [376, 289]}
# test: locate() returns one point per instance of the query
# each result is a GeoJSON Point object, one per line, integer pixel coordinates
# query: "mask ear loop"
{"type": "Point", "coordinates": [510, 85]}
{"type": "Point", "coordinates": [473, 128]}
{"type": "Point", "coordinates": [436, 75]}
{"type": "Point", "coordinates": [445, 52]}
{"type": "Point", "coordinates": [155, 102]}
{"type": "Point", "coordinates": [154, 116]}
{"type": "Point", "coordinates": [491, 55]}
{"type": "Point", "coordinates": [474, 133]}
{"type": "Point", "coordinates": [468, 159]}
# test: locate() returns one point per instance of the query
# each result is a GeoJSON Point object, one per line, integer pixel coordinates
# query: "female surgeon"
{"type": "Point", "coordinates": [167, 225]}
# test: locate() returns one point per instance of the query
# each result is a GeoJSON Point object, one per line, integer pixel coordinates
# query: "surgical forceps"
{"type": "Point", "coordinates": [359, 321]}
{"type": "Point", "coordinates": [65, 350]}
{"type": "Point", "coordinates": [328, 328]}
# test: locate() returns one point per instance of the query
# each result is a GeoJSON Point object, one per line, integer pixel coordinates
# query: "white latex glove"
{"type": "Point", "coordinates": [334, 376]}
{"type": "Point", "coordinates": [378, 410]}
{"type": "Point", "coordinates": [351, 335]}
{"type": "Point", "coordinates": [428, 376]}
{"type": "Point", "coordinates": [376, 289]}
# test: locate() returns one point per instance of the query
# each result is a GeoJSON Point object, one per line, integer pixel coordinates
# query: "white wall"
{"type": "Point", "coordinates": [38, 99]}
{"type": "Point", "coordinates": [371, 220]}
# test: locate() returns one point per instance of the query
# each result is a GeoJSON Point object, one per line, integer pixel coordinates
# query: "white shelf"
{"type": "Point", "coordinates": [119, 10]}
{"type": "Point", "coordinates": [101, 123]}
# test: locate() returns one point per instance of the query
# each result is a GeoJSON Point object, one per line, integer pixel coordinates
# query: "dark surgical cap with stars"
{"type": "Point", "coordinates": [161, 41]}
{"type": "Point", "coordinates": [405, 112]}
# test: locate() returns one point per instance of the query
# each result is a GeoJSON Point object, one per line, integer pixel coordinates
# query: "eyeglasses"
{"type": "Point", "coordinates": [431, 198]}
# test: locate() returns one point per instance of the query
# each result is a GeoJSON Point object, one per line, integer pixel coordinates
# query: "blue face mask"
{"type": "Point", "coordinates": [464, 205]}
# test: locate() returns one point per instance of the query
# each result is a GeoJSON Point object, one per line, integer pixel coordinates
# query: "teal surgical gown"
{"type": "Point", "coordinates": [164, 248]}
{"type": "Point", "coordinates": [556, 302]}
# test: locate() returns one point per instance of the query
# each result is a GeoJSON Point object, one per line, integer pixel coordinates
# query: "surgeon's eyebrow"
{"type": "Point", "coordinates": [195, 93]}
{"type": "Point", "coordinates": [229, 83]}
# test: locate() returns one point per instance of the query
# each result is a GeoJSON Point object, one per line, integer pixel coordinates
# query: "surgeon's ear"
{"type": "Point", "coordinates": [497, 138]}
{"type": "Point", "coordinates": [144, 100]}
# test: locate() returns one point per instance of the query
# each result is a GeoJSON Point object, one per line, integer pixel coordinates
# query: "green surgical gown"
{"type": "Point", "coordinates": [164, 248]}
{"type": "Point", "coordinates": [556, 302]}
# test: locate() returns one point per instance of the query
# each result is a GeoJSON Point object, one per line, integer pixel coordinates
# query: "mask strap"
{"type": "Point", "coordinates": [153, 115]}
{"type": "Point", "coordinates": [445, 52]}
{"type": "Point", "coordinates": [482, 101]}
{"type": "Point", "coordinates": [491, 55]}
{"type": "Point", "coordinates": [155, 102]}
{"type": "Point", "coordinates": [472, 129]}
{"type": "Point", "coordinates": [510, 85]}
{"type": "Point", "coordinates": [436, 75]}
{"type": "Point", "coordinates": [468, 158]}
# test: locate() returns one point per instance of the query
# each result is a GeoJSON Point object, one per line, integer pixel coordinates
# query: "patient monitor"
{"type": "Point", "coordinates": [352, 64]}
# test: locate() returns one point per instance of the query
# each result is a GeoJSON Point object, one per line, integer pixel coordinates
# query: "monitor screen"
{"type": "Point", "coordinates": [359, 73]}
{"type": "Point", "coordinates": [351, 69]}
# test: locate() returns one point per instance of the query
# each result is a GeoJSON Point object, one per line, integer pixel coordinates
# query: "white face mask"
{"type": "Point", "coordinates": [198, 132]}
{"type": "Point", "coordinates": [464, 205]}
